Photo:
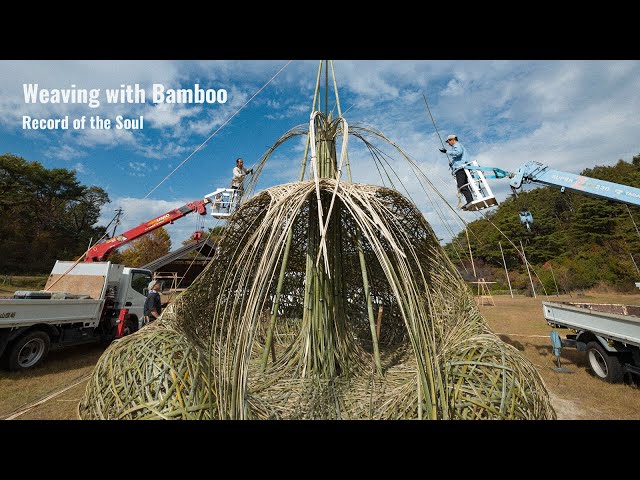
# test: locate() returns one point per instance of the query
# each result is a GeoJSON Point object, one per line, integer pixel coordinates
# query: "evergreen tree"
{"type": "Point", "coordinates": [46, 215]}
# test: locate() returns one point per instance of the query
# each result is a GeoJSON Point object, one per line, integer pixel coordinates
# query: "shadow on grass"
{"type": "Point", "coordinates": [569, 357]}
{"type": "Point", "coordinates": [58, 361]}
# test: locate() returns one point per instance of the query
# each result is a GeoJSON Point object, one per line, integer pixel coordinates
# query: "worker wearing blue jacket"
{"type": "Point", "coordinates": [458, 159]}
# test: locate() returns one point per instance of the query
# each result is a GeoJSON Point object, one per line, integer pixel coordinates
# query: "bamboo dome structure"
{"type": "Point", "coordinates": [326, 299]}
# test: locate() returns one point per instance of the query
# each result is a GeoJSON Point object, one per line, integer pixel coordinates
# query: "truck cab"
{"type": "Point", "coordinates": [133, 284]}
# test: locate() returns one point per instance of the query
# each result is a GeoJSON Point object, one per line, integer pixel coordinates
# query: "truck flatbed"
{"type": "Point", "coordinates": [612, 321]}
{"type": "Point", "coordinates": [608, 332]}
{"type": "Point", "coordinates": [81, 302]}
{"type": "Point", "coordinates": [17, 313]}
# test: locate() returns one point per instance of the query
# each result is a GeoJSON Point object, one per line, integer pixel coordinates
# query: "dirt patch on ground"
{"type": "Point", "coordinates": [577, 395]}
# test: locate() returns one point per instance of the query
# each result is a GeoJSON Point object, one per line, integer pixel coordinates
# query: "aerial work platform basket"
{"type": "Point", "coordinates": [224, 202]}
{"type": "Point", "coordinates": [482, 195]}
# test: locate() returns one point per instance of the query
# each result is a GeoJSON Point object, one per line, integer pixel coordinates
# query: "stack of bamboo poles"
{"type": "Point", "coordinates": [281, 323]}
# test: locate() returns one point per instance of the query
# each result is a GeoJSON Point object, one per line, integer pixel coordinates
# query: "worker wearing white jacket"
{"type": "Point", "coordinates": [239, 174]}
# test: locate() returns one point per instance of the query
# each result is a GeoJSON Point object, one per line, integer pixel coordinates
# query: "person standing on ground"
{"type": "Point", "coordinates": [458, 159]}
{"type": "Point", "coordinates": [152, 305]}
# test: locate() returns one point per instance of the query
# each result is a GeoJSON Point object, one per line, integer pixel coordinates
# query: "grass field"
{"type": "Point", "coordinates": [518, 321]}
{"type": "Point", "coordinates": [10, 283]}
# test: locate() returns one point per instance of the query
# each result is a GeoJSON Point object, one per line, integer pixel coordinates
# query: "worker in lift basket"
{"type": "Point", "coordinates": [458, 159]}
{"type": "Point", "coordinates": [152, 305]}
{"type": "Point", "coordinates": [237, 182]}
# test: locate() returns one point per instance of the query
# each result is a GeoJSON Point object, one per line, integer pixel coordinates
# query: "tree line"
{"type": "Point", "coordinates": [576, 241]}
{"type": "Point", "coordinates": [47, 214]}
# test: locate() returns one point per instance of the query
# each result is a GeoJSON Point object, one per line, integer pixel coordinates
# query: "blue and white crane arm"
{"type": "Point", "coordinates": [535, 172]}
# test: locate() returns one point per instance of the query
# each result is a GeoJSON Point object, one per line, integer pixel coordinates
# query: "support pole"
{"type": "Point", "coordinates": [526, 264]}
{"type": "Point", "coordinates": [634, 262]}
{"type": "Point", "coordinates": [335, 88]}
{"type": "Point", "coordinates": [554, 280]}
{"type": "Point", "coordinates": [326, 87]}
{"type": "Point", "coordinates": [313, 108]}
{"type": "Point", "coordinates": [505, 269]}
{"type": "Point", "coordinates": [634, 222]}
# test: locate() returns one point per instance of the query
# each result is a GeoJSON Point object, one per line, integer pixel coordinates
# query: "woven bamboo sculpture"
{"type": "Point", "coordinates": [325, 299]}
{"type": "Point", "coordinates": [212, 355]}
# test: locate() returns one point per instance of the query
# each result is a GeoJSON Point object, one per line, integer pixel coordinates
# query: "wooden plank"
{"type": "Point", "coordinates": [78, 284]}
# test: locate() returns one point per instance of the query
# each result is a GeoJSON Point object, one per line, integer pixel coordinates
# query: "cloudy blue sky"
{"type": "Point", "coordinates": [570, 114]}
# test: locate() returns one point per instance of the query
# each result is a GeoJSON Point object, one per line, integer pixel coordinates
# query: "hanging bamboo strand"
{"type": "Point", "coordinates": [466, 231]}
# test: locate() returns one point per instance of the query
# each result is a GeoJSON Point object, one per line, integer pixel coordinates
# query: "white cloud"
{"type": "Point", "coordinates": [63, 152]}
{"type": "Point", "coordinates": [137, 166]}
{"type": "Point", "coordinates": [165, 115]}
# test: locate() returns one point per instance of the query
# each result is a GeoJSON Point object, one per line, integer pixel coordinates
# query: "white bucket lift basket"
{"type": "Point", "coordinates": [482, 195]}
{"type": "Point", "coordinates": [224, 202]}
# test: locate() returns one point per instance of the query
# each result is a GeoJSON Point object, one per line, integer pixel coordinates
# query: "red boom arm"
{"type": "Point", "coordinates": [101, 251]}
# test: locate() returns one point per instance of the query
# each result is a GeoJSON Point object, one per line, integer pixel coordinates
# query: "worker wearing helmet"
{"type": "Point", "coordinates": [458, 159]}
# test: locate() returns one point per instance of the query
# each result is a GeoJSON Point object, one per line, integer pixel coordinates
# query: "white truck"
{"type": "Point", "coordinates": [81, 303]}
{"type": "Point", "coordinates": [608, 332]}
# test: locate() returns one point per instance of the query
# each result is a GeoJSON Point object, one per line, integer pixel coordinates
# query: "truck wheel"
{"type": "Point", "coordinates": [29, 350]}
{"type": "Point", "coordinates": [605, 365]}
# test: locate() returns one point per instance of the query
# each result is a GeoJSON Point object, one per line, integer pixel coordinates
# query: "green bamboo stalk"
{"type": "Point", "coordinates": [276, 303]}
{"type": "Point", "coordinates": [339, 284]}
{"type": "Point", "coordinates": [313, 107]}
{"type": "Point", "coordinates": [335, 89]}
{"type": "Point", "coordinates": [372, 322]}
{"type": "Point", "coordinates": [309, 284]}
{"type": "Point", "coordinates": [326, 88]}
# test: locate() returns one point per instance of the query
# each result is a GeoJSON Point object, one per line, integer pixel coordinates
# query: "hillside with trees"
{"type": "Point", "coordinates": [576, 242]}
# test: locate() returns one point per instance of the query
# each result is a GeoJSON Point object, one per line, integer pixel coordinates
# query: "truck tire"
{"type": "Point", "coordinates": [605, 365]}
{"type": "Point", "coordinates": [29, 350]}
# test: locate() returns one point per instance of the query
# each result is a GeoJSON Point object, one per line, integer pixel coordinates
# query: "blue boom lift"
{"type": "Point", "coordinates": [536, 172]}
